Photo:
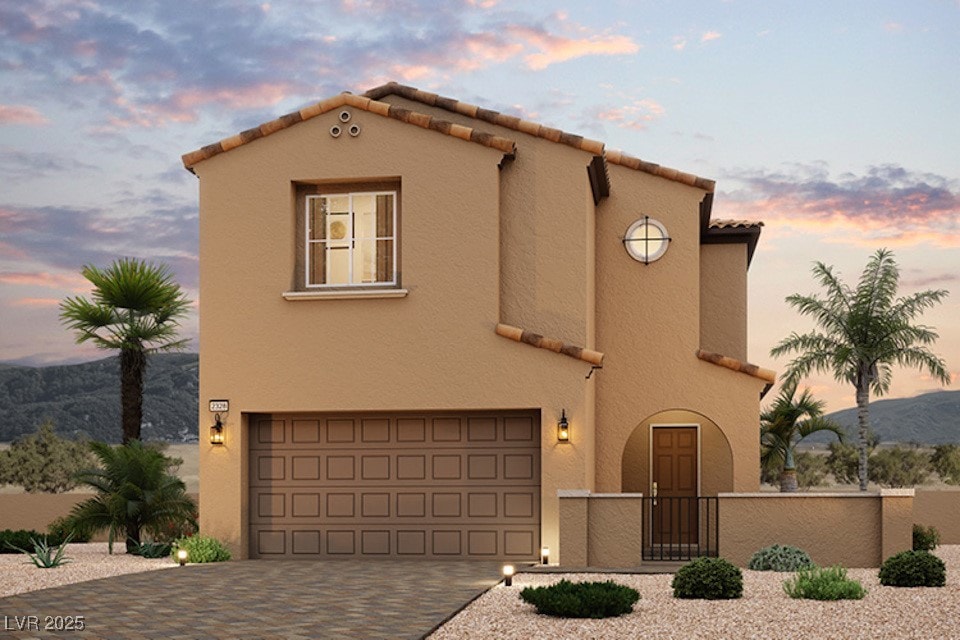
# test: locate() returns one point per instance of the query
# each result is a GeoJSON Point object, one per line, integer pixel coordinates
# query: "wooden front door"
{"type": "Point", "coordinates": [675, 514]}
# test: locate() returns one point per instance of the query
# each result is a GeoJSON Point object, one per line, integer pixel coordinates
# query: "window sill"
{"type": "Point", "coordinates": [351, 294]}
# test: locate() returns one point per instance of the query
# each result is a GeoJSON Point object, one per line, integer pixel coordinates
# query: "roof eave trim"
{"type": "Point", "coordinates": [740, 366]}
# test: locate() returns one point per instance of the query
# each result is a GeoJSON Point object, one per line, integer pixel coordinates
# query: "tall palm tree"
{"type": "Point", "coordinates": [136, 308]}
{"type": "Point", "coordinates": [788, 421]}
{"type": "Point", "coordinates": [135, 492]}
{"type": "Point", "coordinates": [862, 333]}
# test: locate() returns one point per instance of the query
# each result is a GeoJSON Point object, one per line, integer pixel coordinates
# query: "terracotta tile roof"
{"type": "Point", "coordinates": [733, 364]}
{"type": "Point", "coordinates": [558, 346]}
{"type": "Point", "coordinates": [555, 135]}
{"type": "Point", "coordinates": [360, 102]}
{"type": "Point", "coordinates": [735, 224]}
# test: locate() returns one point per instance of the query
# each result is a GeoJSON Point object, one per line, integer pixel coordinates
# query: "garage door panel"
{"type": "Point", "coordinates": [377, 485]}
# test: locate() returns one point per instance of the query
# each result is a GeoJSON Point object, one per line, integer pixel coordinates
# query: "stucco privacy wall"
{"type": "Point", "coordinates": [940, 508]}
{"type": "Point", "coordinates": [650, 330]}
{"type": "Point", "coordinates": [432, 350]}
{"type": "Point", "coordinates": [850, 529]}
{"type": "Point", "coordinates": [600, 530]}
{"type": "Point", "coordinates": [723, 299]}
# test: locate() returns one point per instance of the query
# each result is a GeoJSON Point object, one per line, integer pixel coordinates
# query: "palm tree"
{"type": "Point", "coordinates": [135, 492]}
{"type": "Point", "coordinates": [788, 421]}
{"type": "Point", "coordinates": [136, 308]}
{"type": "Point", "coordinates": [862, 333]}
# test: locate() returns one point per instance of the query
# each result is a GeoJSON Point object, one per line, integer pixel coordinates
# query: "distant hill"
{"type": "Point", "coordinates": [929, 418]}
{"type": "Point", "coordinates": [84, 399]}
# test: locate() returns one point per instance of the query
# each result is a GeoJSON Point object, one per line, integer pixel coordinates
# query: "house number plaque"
{"type": "Point", "coordinates": [219, 406]}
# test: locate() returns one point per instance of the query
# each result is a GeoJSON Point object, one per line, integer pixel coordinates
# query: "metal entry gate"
{"type": "Point", "coordinates": [680, 528]}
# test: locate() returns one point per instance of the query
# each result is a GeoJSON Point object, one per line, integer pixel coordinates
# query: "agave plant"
{"type": "Point", "coordinates": [46, 556]}
{"type": "Point", "coordinates": [136, 492]}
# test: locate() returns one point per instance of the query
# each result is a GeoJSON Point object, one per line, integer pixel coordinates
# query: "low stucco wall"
{"type": "Point", "coordinates": [940, 508]}
{"type": "Point", "coordinates": [34, 511]}
{"type": "Point", "coordinates": [850, 529]}
{"type": "Point", "coordinates": [600, 529]}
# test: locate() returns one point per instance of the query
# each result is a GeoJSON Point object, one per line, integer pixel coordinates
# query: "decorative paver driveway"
{"type": "Point", "coordinates": [257, 599]}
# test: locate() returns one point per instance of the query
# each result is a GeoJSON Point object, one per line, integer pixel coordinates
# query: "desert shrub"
{"type": "Point", "coordinates": [824, 583]}
{"type": "Point", "coordinates": [59, 529]}
{"type": "Point", "coordinates": [843, 462]}
{"type": "Point", "coordinates": [946, 462]}
{"type": "Point", "coordinates": [780, 558]}
{"type": "Point", "coordinates": [567, 599]}
{"type": "Point", "coordinates": [708, 579]}
{"type": "Point", "coordinates": [812, 468]}
{"type": "Point", "coordinates": [925, 538]}
{"type": "Point", "coordinates": [13, 541]}
{"type": "Point", "coordinates": [201, 549]}
{"type": "Point", "coordinates": [899, 467]}
{"type": "Point", "coordinates": [44, 462]}
{"type": "Point", "coordinates": [913, 569]}
{"type": "Point", "coordinates": [153, 549]}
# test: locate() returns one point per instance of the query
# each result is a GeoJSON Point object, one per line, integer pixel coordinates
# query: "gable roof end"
{"type": "Point", "coordinates": [733, 231]}
{"type": "Point", "coordinates": [384, 109]}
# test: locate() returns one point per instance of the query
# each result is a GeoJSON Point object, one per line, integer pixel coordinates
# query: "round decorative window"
{"type": "Point", "coordinates": [646, 240]}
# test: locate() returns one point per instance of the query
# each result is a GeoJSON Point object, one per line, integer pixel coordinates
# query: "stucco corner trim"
{"type": "Point", "coordinates": [737, 365]}
{"type": "Point", "coordinates": [558, 346]}
{"type": "Point", "coordinates": [573, 493]}
{"type": "Point", "coordinates": [358, 294]}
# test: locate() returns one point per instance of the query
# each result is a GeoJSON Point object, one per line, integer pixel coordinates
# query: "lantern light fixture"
{"type": "Point", "coordinates": [216, 431]}
{"type": "Point", "coordinates": [544, 555]}
{"type": "Point", "coordinates": [563, 427]}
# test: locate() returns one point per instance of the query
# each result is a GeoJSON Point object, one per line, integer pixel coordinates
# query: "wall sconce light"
{"type": "Point", "coordinates": [182, 556]}
{"type": "Point", "coordinates": [544, 555]}
{"type": "Point", "coordinates": [563, 427]}
{"type": "Point", "coordinates": [508, 572]}
{"type": "Point", "coordinates": [216, 431]}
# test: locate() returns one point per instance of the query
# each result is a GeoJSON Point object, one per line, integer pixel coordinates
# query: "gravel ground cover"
{"type": "Point", "coordinates": [765, 611]}
{"type": "Point", "coordinates": [88, 561]}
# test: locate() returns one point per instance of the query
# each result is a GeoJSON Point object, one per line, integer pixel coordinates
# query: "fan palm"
{"type": "Point", "coordinates": [135, 492]}
{"type": "Point", "coordinates": [862, 333]}
{"type": "Point", "coordinates": [136, 308]}
{"type": "Point", "coordinates": [788, 421]}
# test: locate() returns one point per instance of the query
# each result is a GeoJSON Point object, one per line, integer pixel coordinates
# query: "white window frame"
{"type": "Point", "coordinates": [307, 241]}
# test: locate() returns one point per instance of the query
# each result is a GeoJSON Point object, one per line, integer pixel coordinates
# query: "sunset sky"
{"type": "Point", "coordinates": [837, 123]}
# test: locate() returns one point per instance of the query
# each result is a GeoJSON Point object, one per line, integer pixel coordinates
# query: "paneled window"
{"type": "Point", "coordinates": [351, 239]}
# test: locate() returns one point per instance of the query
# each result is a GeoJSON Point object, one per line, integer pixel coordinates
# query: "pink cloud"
{"type": "Point", "coordinates": [679, 43]}
{"type": "Point", "coordinates": [35, 302]}
{"type": "Point", "coordinates": [554, 48]}
{"type": "Point", "coordinates": [710, 35]}
{"type": "Point", "coordinates": [20, 114]}
{"type": "Point", "coordinates": [72, 282]}
{"type": "Point", "coordinates": [635, 115]}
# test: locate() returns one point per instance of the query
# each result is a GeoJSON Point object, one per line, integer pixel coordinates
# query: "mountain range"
{"type": "Point", "coordinates": [83, 400]}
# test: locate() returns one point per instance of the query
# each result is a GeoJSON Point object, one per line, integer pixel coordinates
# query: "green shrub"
{"type": "Point", "coordinates": [708, 579]}
{"type": "Point", "coordinates": [899, 467]}
{"type": "Point", "coordinates": [13, 541]}
{"type": "Point", "coordinates": [925, 538]}
{"type": "Point", "coordinates": [153, 549]}
{"type": "Point", "coordinates": [824, 583]}
{"type": "Point", "coordinates": [780, 558]}
{"type": "Point", "coordinates": [44, 462]}
{"type": "Point", "coordinates": [46, 556]}
{"type": "Point", "coordinates": [913, 569]}
{"type": "Point", "coordinates": [59, 529]}
{"type": "Point", "coordinates": [567, 599]}
{"type": "Point", "coordinates": [201, 549]}
{"type": "Point", "coordinates": [946, 462]}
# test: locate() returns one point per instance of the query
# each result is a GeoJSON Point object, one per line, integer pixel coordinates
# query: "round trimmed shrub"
{"type": "Point", "coordinates": [59, 529]}
{"type": "Point", "coordinates": [201, 549]}
{"type": "Point", "coordinates": [567, 599]}
{"type": "Point", "coordinates": [708, 579]}
{"type": "Point", "coordinates": [913, 569]}
{"type": "Point", "coordinates": [780, 558]}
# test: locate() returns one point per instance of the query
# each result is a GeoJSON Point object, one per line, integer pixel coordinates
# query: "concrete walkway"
{"type": "Point", "coordinates": [258, 599]}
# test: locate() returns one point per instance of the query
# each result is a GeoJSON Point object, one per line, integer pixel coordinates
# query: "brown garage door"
{"type": "Point", "coordinates": [463, 485]}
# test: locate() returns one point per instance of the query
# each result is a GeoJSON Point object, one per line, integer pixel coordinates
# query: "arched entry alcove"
{"type": "Point", "coordinates": [715, 457]}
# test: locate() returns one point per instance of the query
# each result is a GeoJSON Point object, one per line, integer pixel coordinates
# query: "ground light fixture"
{"type": "Point", "coordinates": [216, 431]}
{"type": "Point", "coordinates": [544, 555]}
{"type": "Point", "coordinates": [182, 556]}
{"type": "Point", "coordinates": [563, 427]}
{"type": "Point", "coordinates": [508, 572]}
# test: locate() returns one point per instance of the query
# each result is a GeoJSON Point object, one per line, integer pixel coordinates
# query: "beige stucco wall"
{"type": "Point", "coordinates": [723, 299]}
{"type": "Point", "coordinates": [600, 530]}
{"type": "Point", "coordinates": [940, 508]}
{"type": "Point", "coordinates": [432, 350]}
{"type": "Point", "coordinates": [850, 529]}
